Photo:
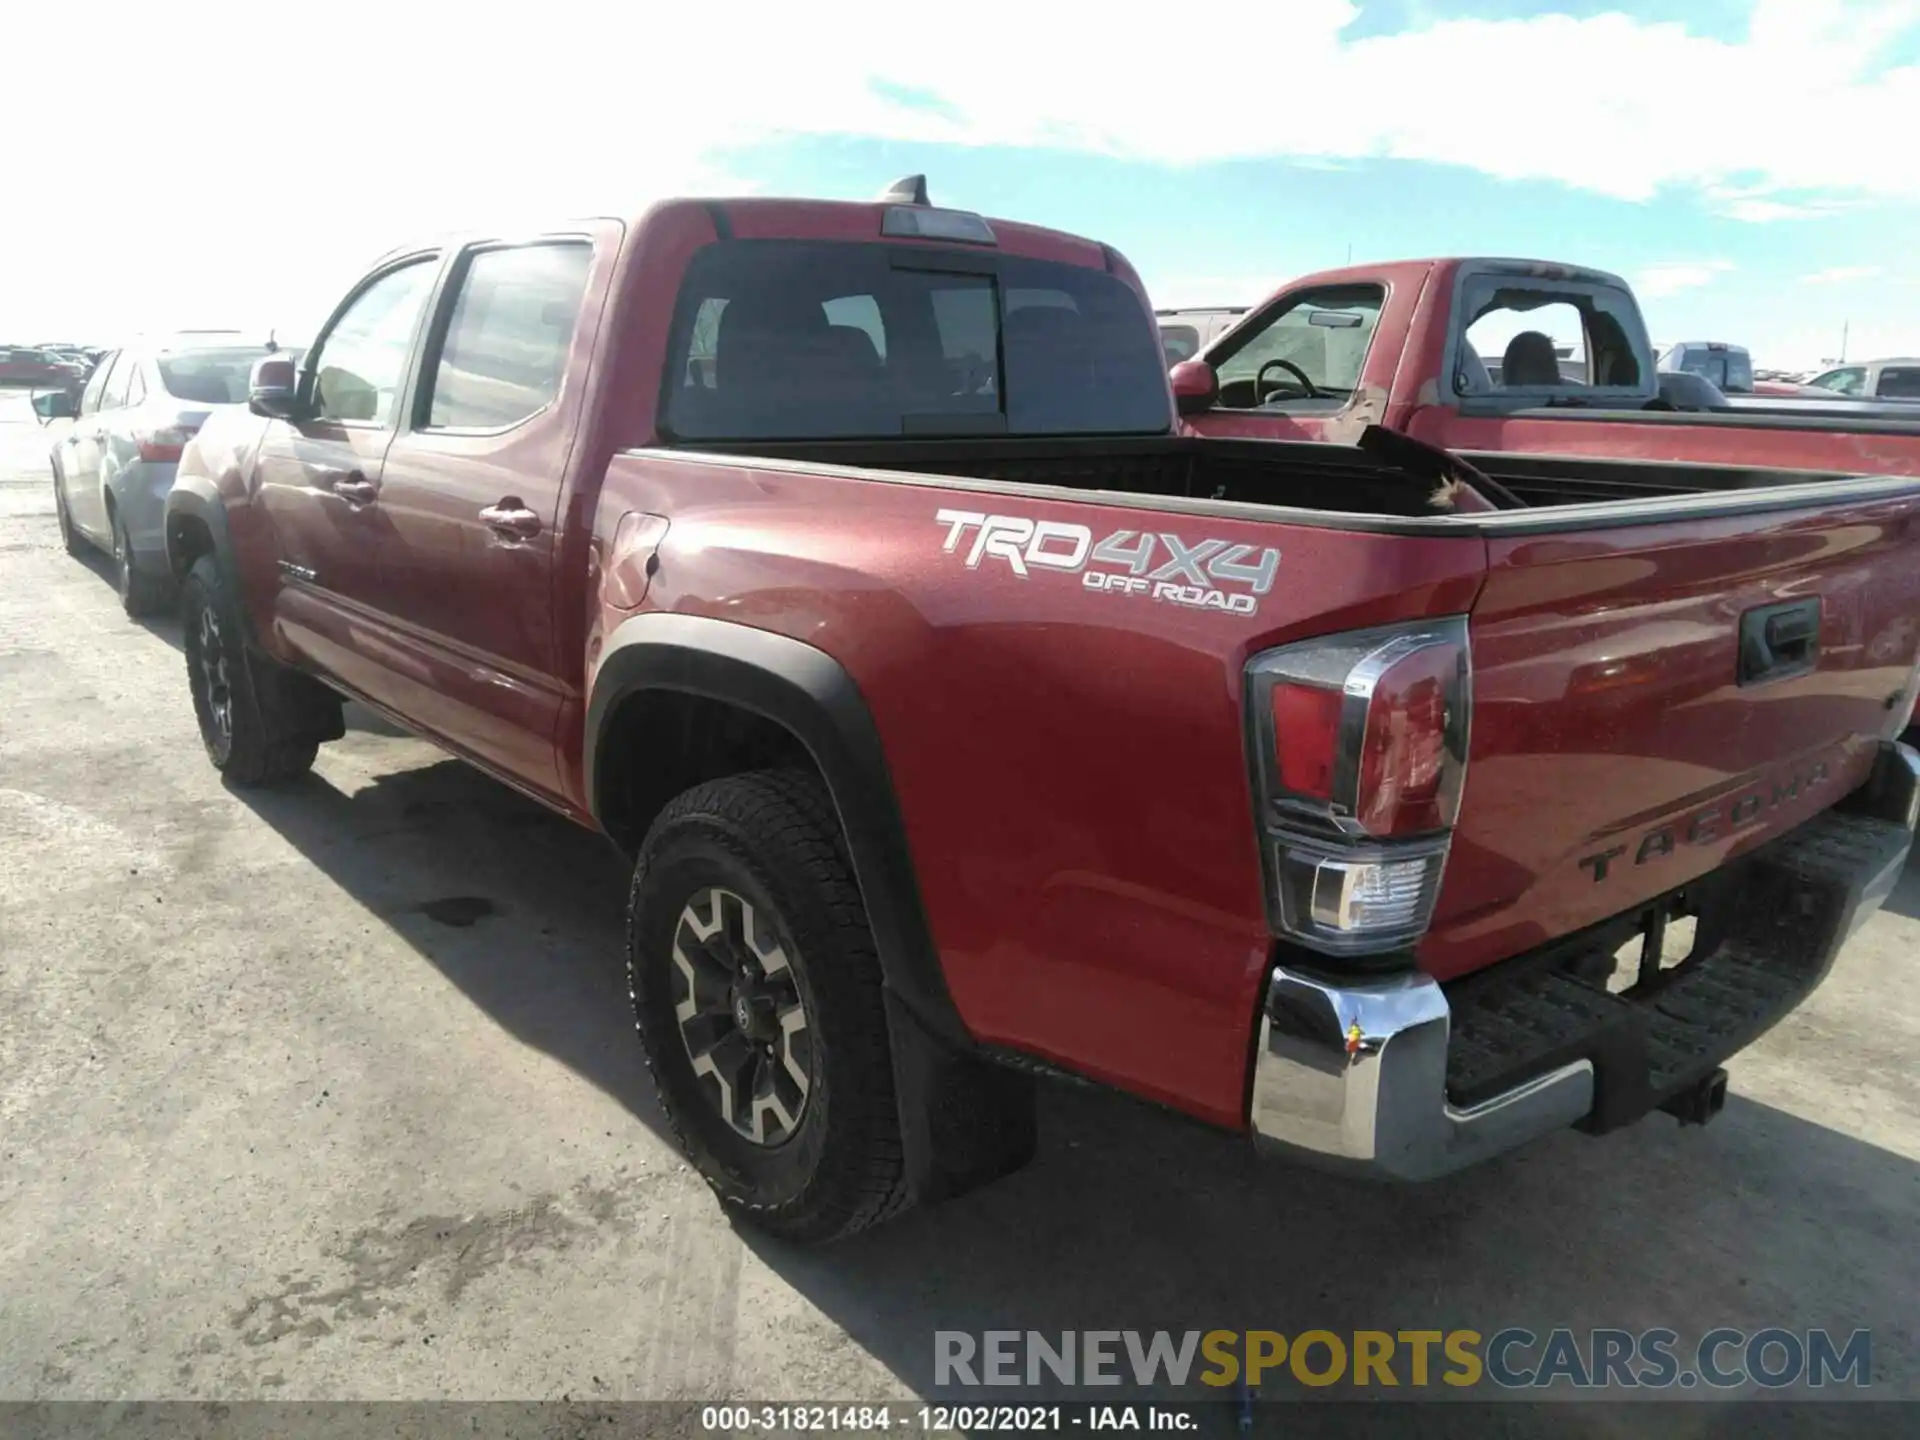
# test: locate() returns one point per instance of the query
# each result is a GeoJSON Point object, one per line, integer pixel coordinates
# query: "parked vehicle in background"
{"type": "Point", "coordinates": [113, 468]}
{"type": "Point", "coordinates": [1729, 367]}
{"type": "Point", "coordinates": [30, 366]}
{"type": "Point", "coordinates": [1891, 379]}
{"type": "Point", "coordinates": [843, 563]}
{"type": "Point", "coordinates": [1415, 359]}
{"type": "Point", "coordinates": [1185, 333]}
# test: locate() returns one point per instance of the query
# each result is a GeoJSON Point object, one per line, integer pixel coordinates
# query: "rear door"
{"type": "Point", "coordinates": [319, 479]}
{"type": "Point", "coordinates": [1651, 699]}
{"type": "Point", "coordinates": [470, 500]}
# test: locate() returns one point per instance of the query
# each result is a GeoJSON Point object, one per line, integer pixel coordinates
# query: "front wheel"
{"type": "Point", "coordinates": [243, 740]}
{"type": "Point", "coordinates": [756, 989]}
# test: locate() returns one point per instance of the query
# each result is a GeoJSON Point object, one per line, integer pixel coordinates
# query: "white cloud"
{"type": "Point", "coordinates": [1840, 274]}
{"type": "Point", "coordinates": [1671, 277]}
{"type": "Point", "coordinates": [285, 144]}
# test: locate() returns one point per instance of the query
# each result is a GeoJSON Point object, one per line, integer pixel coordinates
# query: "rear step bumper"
{"type": "Point", "coordinates": [1403, 1078]}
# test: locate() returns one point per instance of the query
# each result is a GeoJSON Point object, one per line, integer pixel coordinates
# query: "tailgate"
{"type": "Point", "coordinates": [1650, 700]}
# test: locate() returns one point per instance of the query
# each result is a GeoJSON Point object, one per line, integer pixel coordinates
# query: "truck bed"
{"type": "Point", "coordinates": [1333, 478]}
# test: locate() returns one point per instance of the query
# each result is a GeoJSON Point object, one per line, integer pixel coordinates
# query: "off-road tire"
{"type": "Point", "coordinates": [772, 838]}
{"type": "Point", "coordinates": [254, 746]}
{"type": "Point", "coordinates": [140, 593]}
{"type": "Point", "coordinates": [74, 542]}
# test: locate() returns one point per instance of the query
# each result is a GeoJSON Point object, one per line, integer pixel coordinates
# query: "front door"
{"type": "Point", "coordinates": [320, 479]}
{"type": "Point", "coordinates": [1297, 373]}
{"type": "Point", "coordinates": [79, 457]}
{"type": "Point", "coordinates": [471, 500]}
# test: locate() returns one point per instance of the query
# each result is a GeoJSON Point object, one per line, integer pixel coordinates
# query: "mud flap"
{"type": "Point", "coordinates": [964, 1121]}
{"type": "Point", "coordinates": [293, 704]}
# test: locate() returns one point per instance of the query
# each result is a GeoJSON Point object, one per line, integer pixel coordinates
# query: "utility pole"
{"type": "Point", "coordinates": [1349, 252]}
{"type": "Point", "coordinates": [1845, 325]}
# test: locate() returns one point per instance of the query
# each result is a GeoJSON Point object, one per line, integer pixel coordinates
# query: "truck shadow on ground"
{"type": "Point", "coordinates": [1134, 1219]}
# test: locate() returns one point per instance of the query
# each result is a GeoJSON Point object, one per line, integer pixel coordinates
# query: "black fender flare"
{"type": "Point", "coordinates": [297, 702]}
{"type": "Point", "coordinates": [964, 1119]}
{"type": "Point", "coordinates": [811, 695]}
{"type": "Point", "coordinates": [195, 497]}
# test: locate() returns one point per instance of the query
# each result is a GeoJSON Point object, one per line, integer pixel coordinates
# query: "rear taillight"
{"type": "Point", "coordinates": [165, 442]}
{"type": "Point", "coordinates": [1359, 755]}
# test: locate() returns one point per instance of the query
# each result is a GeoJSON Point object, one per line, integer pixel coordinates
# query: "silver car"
{"type": "Point", "coordinates": [112, 470]}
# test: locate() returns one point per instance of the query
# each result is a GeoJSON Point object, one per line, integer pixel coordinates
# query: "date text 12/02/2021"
{"type": "Point", "coordinates": [742, 1419]}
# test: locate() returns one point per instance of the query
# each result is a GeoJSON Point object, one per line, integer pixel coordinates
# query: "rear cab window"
{"type": "Point", "coordinates": [210, 377]}
{"type": "Point", "coordinates": [1729, 368]}
{"type": "Point", "coordinates": [1899, 382]}
{"type": "Point", "coordinates": [1521, 340]}
{"type": "Point", "coordinates": [792, 340]}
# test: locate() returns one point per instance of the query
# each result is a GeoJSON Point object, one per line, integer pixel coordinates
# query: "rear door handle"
{"type": "Point", "coordinates": [511, 517]}
{"type": "Point", "coordinates": [1777, 641]}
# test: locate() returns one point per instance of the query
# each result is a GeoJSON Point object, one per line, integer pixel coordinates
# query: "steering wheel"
{"type": "Point", "coordinates": [1313, 392]}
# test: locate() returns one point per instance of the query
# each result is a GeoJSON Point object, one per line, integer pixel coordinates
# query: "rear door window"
{"type": "Point", "coordinates": [507, 340]}
{"type": "Point", "coordinates": [816, 340]}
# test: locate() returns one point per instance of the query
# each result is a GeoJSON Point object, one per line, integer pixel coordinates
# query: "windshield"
{"type": "Point", "coordinates": [809, 340]}
{"type": "Point", "coordinates": [210, 377]}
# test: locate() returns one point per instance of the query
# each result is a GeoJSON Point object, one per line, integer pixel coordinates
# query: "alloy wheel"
{"type": "Point", "coordinates": [214, 679]}
{"type": "Point", "coordinates": [742, 1016]}
{"type": "Point", "coordinates": [122, 561]}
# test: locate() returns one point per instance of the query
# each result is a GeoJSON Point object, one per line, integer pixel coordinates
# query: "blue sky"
{"type": "Point", "coordinates": [1749, 167]}
{"type": "Point", "coordinates": [1226, 233]}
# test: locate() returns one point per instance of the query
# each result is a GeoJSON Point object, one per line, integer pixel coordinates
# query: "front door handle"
{"type": "Point", "coordinates": [354, 488]}
{"type": "Point", "coordinates": [511, 517]}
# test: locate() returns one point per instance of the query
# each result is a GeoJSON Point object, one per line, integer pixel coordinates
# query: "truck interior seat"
{"type": "Point", "coordinates": [1471, 376]}
{"type": "Point", "coordinates": [1529, 360]}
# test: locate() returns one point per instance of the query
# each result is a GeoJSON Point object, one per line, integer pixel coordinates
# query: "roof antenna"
{"type": "Point", "coordinates": [909, 190]}
{"type": "Point", "coordinates": [273, 347]}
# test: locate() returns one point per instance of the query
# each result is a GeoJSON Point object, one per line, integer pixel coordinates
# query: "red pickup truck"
{"type": "Point", "coordinates": [965, 721]}
{"type": "Point", "coordinates": [1462, 353]}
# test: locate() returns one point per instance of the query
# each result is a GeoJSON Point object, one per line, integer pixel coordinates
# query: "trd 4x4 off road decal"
{"type": "Point", "coordinates": [1206, 575]}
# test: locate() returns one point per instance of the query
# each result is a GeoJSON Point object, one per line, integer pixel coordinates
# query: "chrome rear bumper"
{"type": "Point", "coordinates": [1354, 1074]}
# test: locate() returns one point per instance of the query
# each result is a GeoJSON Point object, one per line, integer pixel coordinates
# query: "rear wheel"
{"type": "Point", "coordinates": [140, 593]}
{"type": "Point", "coordinates": [249, 743]}
{"type": "Point", "coordinates": [69, 537]}
{"type": "Point", "coordinates": [756, 988]}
